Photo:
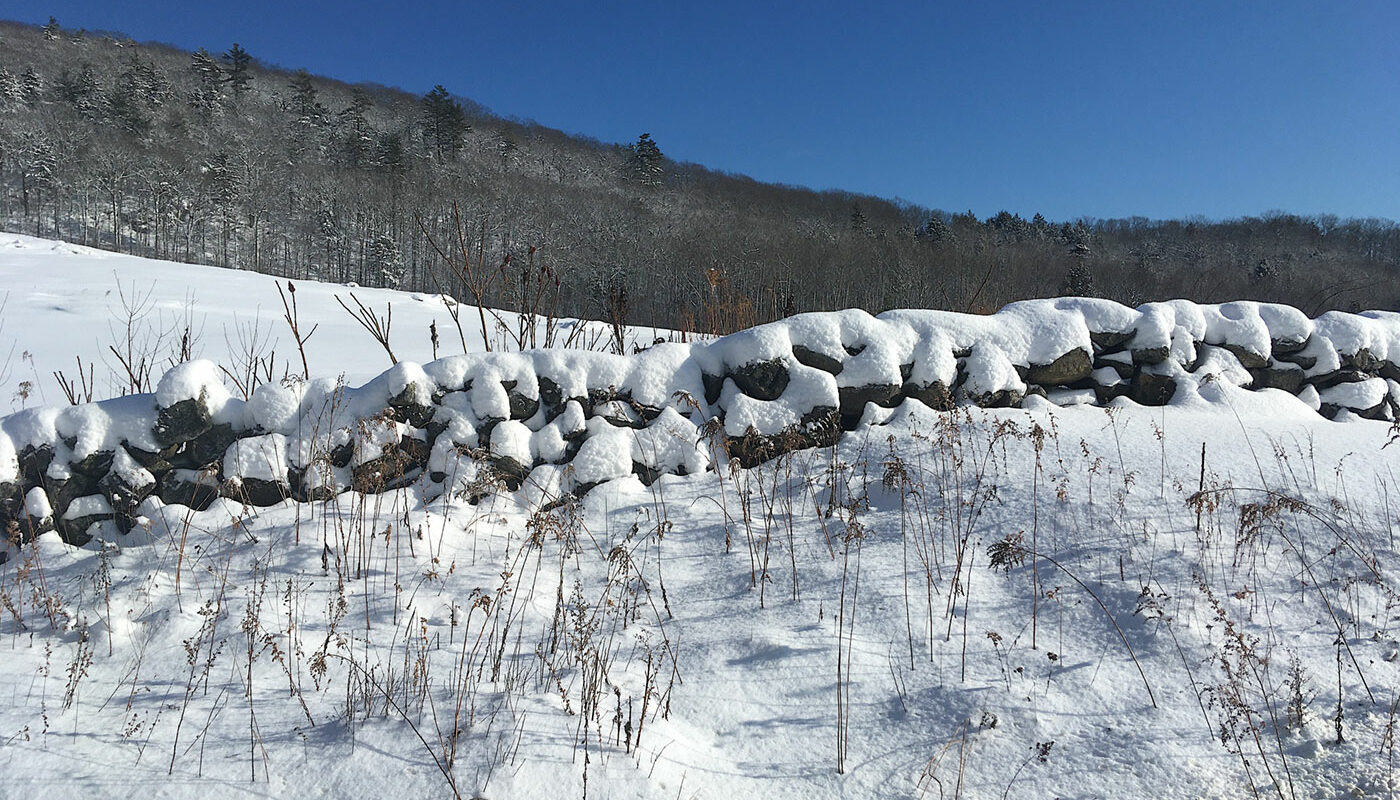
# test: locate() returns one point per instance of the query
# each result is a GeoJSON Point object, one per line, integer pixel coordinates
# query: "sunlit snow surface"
{"type": "Point", "coordinates": [682, 640]}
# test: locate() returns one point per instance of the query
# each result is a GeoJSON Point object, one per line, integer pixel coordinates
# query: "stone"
{"type": "Point", "coordinates": [399, 466]}
{"type": "Point", "coordinates": [1110, 340]}
{"type": "Point", "coordinates": [551, 396]}
{"type": "Point", "coordinates": [647, 475]}
{"type": "Point", "coordinates": [197, 489]}
{"type": "Point", "coordinates": [124, 497]}
{"type": "Point", "coordinates": [854, 398]}
{"type": "Point", "coordinates": [95, 465]}
{"type": "Point", "coordinates": [1248, 358]}
{"type": "Point", "coordinates": [521, 406]}
{"type": "Point", "coordinates": [206, 448]}
{"type": "Point", "coordinates": [34, 463]}
{"type": "Point", "coordinates": [1287, 346]}
{"type": "Point", "coordinates": [1362, 361]}
{"type": "Point", "coordinates": [762, 380]}
{"type": "Point", "coordinates": [819, 427]}
{"type": "Point", "coordinates": [1124, 369]}
{"type": "Point", "coordinates": [1337, 376]}
{"type": "Point", "coordinates": [1071, 368]}
{"type": "Point", "coordinates": [182, 421]}
{"type": "Point", "coordinates": [1289, 380]}
{"type": "Point", "coordinates": [934, 395]}
{"type": "Point", "coordinates": [815, 360]}
{"type": "Point", "coordinates": [1306, 362]}
{"type": "Point", "coordinates": [1152, 389]}
{"type": "Point", "coordinates": [256, 491]}
{"type": "Point", "coordinates": [1151, 355]}
{"type": "Point", "coordinates": [157, 463]}
{"type": "Point", "coordinates": [1001, 398]}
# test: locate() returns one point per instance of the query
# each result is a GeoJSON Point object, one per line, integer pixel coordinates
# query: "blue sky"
{"type": "Point", "coordinates": [1071, 109]}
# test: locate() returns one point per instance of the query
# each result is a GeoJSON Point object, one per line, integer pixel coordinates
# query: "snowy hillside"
{"type": "Point", "coordinates": [569, 585]}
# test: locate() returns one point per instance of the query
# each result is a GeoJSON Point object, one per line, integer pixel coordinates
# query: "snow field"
{"type": "Point", "coordinates": [1041, 601]}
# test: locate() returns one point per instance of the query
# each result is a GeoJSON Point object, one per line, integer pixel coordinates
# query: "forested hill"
{"type": "Point", "coordinates": [213, 157]}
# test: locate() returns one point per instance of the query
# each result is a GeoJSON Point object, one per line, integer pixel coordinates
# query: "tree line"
{"type": "Point", "coordinates": [216, 158]}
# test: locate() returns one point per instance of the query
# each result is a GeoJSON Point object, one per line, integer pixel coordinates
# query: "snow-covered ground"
{"type": "Point", "coordinates": [62, 302]}
{"type": "Point", "coordinates": [983, 603]}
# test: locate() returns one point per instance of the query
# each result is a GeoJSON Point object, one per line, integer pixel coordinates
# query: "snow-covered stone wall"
{"type": "Point", "coordinates": [553, 423]}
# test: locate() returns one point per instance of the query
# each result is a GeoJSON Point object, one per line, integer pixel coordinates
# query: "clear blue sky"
{"type": "Point", "coordinates": [1162, 109]}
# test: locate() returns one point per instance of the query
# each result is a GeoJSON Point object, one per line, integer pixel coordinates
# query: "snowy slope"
{"type": "Point", "coordinates": [1034, 602]}
{"type": "Point", "coordinates": [60, 302]}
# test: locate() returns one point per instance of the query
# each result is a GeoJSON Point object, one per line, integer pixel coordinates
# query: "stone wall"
{"type": "Point", "coordinates": [557, 423]}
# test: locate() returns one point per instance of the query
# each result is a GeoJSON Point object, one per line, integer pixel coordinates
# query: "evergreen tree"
{"type": "Point", "coordinates": [646, 164]}
{"type": "Point", "coordinates": [390, 153]}
{"type": "Point", "coordinates": [239, 75]}
{"type": "Point", "coordinates": [31, 87]}
{"type": "Point", "coordinates": [51, 30]}
{"type": "Point", "coordinates": [209, 77]}
{"type": "Point", "coordinates": [9, 88]}
{"type": "Point", "coordinates": [310, 114]}
{"type": "Point", "coordinates": [858, 221]}
{"type": "Point", "coordinates": [78, 91]}
{"type": "Point", "coordinates": [935, 231]}
{"type": "Point", "coordinates": [356, 135]}
{"type": "Point", "coordinates": [1079, 280]}
{"type": "Point", "coordinates": [444, 123]}
{"type": "Point", "coordinates": [385, 261]}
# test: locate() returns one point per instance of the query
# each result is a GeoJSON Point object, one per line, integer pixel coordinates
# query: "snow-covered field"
{"type": "Point", "coordinates": [1190, 601]}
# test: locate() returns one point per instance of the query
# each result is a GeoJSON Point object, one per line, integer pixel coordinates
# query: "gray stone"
{"type": "Point", "coordinates": [194, 488]}
{"type": "Point", "coordinates": [206, 448]}
{"type": "Point", "coordinates": [1110, 340]}
{"type": "Point", "coordinates": [521, 406]}
{"type": "Point", "coordinates": [1336, 377]}
{"type": "Point", "coordinates": [399, 466]}
{"type": "Point", "coordinates": [762, 380]}
{"type": "Point", "coordinates": [934, 395]}
{"type": "Point", "coordinates": [1001, 398]}
{"type": "Point", "coordinates": [1070, 368]}
{"type": "Point", "coordinates": [182, 421]}
{"type": "Point", "coordinates": [1151, 389]}
{"type": "Point", "coordinates": [551, 395]}
{"type": "Point", "coordinates": [816, 360]}
{"type": "Point", "coordinates": [1287, 346]}
{"type": "Point", "coordinates": [713, 385]}
{"type": "Point", "coordinates": [1306, 362]}
{"type": "Point", "coordinates": [96, 464]}
{"type": "Point", "coordinates": [820, 427]}
{"type": "Point", "coordinates": [1247, 358]}
{"type": "Point", "coordinates": [1151, 355]}
{"type": "Point", "coordinates": [1362, 361]}
{"type": "Point", "coordinates": [1289, 380]}
{"type": "Point", "coordinates": [256, 491]}
{"type": "Point", "coordinates": [854, 398]}
{"type": "Point", "coordinates": [34, 463]}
